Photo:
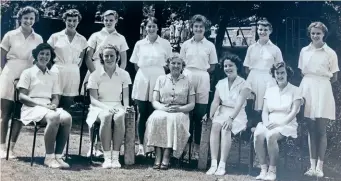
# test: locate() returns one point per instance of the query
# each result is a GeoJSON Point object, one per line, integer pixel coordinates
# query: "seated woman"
{"type": "Point", "coordinates": [281, 104]}
{"type": "Point", "coordinates": [168, 126]}
{"type": "Point", "coordinates": [39, 92]}
{"type": "Point", "coordinates": [227, 112]}
{"type": "Point", "coordinates": [105, 86]}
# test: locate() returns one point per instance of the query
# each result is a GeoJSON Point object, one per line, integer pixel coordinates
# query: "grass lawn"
{"type": "Point", "coordinates": [20, 169]}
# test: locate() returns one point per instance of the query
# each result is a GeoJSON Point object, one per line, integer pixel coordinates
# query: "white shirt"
{"type": "Point", "coordinates": [262, 57]}
{"type": "Point", "coordinates": [148, 54]}
{"type": "Point", "coordinates": [67, 52]}
{"type": "Point", "coordinates": [103, 38]}
{"type": "Point", "coordinates": [322, 61]}
{"type": "Point", "coordinates": [109, 89]}
{"type": "Point", "coordinates": [39, 84]}
{"type": "Point", "coordinates": [199, 54]}
{"type": "Point", "coordinates": [19, 48]}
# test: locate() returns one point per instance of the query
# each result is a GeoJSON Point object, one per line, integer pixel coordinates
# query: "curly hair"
{"type": "Point", "coordinates": [176, 55]}
{"type": "Point", "coordinates": [320, 26]}
{"type": "Point", "coordinates": [72, 13]}
{"type": "Point", "coordinates": [43, 46]}
{"type": "Point", "coordinates": [235, 59]}
{"type": "Point", "coordinates": [112, 47]}
{"type": "Point", "coordinates": [26, 10]}
{"type": "Point", "coordinates": [199, 18]}
{"type": "Point", "coordinates": [288, 69]}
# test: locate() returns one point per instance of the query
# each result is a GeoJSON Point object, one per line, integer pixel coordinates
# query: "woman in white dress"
{"type": "Point", "coordinates": [319, 67]}
{"type": "Point", "coordinates": [107, 85]}
{"type": "Point", "coordinates": [168, 126]}
{"type": "Point", "coordinates": [149, 57]}
{"type": "Point", "coordinates": [16, 56]}
{"type": "Point", "coordinates": [281, 104]}
{"type": "Point", "coordinates": [259, 58]}
{"type": "Point", "coordinates": [39, 92]}
{"type": "Point", "coordinates": [69, 47]}
{"type": "Point", "coordinates": [227, 112]}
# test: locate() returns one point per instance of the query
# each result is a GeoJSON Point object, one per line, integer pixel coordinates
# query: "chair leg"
{"type": "Point", "coordinates": [34, 143]}
{"type": "Point", "coordinates": [67, 148]}
{"type": "Point", "coordinates": [239, 148]}
{"type": "Point", "coordinates": [92, 143]}
{"type": "Point", "coordinates": [9, 138]}
{"type": "Point", "coordinates": [251, 155]}
{"type": "Point", "coordinates": [81, 136]}
{"type": "Point", "coordinates": [190, 153]}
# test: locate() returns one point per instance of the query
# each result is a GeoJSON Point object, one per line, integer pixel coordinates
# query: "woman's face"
{"type": "Point", "coordinates": [109, 22]}
{"type": "Point", "coordinates": [281, 76]}
{"type": "Point", "coordinates": [44, 57]}
{"type": "Point", "coordinates": [151, 28]}
{"type": "Point", "coordinates": [263, 32]}
{"type": "Point", "coordinates": [316, 35]}
{"type": "Point", "coordinates": [71, 23]}
{"type": "Point", "coordinates": [175, 66]}
{"type": "Point", "coordinates": [109, 58]}
{"type": "Point", "coordinates": [27, 20]}
{"type": "Point", "coordinates": [230, 68]}
{"type": "Point", "coordinates": [198, 28]}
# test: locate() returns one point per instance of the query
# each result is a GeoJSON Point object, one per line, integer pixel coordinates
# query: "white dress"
{"type": "Point", "coordinates": [228, 99]}
{"type": "Point", "coordinates": [279, 105]}
{"type": "Point", "coordinates": [318, 66]}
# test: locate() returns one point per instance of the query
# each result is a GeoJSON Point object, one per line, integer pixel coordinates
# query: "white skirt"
{"type": "Point", "coordinates": [318, 94]}
{"type": "Point", "coordinates": [223, 113]}
{"type": "Point", "coordinates": [259, 81]}
{"type": "Point", "coordinates": [286, 130]}
{"type": "Point", "coordinates": [69, 78]}
{"type": "Point", "coordinates": [95, 111]}
{"type": "Point", "coordinates": [36, 113]}
{"type": "Point", "coordinates": [144, 83]}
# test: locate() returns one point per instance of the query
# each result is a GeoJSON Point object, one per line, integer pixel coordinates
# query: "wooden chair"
{"type": "Point", "coordinates": [16, 117]}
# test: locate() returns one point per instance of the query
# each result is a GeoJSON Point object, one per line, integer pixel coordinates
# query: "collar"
{"type": "Point", "coordinates": [63, 32]}
{"type": "Point", "coordinates": [236, 81]}
{"type": "Point", "coordinates": [324, 47]}
{"type": "Point", "coordinates": [36, 70]}
{"type": "Point", "coordinates": [285, 89]}
{"type": "Point", "coordinates": [169, 76]}
{"type": "Point", "coordinates": [267, 43]}
{"type": "Point", "coordinates": [104, 30]}
{"type": "Point", "coordinates": [156, 41]}
{"type": "Point", "coordinates": [201, 41]}
{"type": "Point", "coordinates": [102, 71]}
{"type": "Point", "coordinates": [19, 30]}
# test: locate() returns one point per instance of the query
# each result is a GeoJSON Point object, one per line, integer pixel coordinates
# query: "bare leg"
{"type": "Point", "coordinates": [105, 134]}
{"type": "Point", "coordinates": [158, 156]}
{"type": "Point", "coordinates": [166, 156]}
{"type": "Point", "coordinates": [63, 131]}
{"type": "Point", "coordinates": [312, 140]}
{"type": "Point", "coordinates": [260, 150]}
{"type": "Point", "coordinates": [225, 150]}
{"type": "Point", "coordinates": [272, 145]}
{"type": "Point", "coordinates": [321, 144]}
{"type": "Point", "coordinates": [214, 147]}
{"type": "Point", "coordinates": [6, 111]}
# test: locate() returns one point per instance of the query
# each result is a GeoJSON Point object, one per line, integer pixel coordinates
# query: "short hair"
{"type": "Point", "coordinates": [288, 69]}
{"type": "Point", "coordinates": [176, 55]}
{"type": "Point", "coordinates": [320, 26]}
{"type": "Point", "coordinates": [110, 12]}
{"type": "Point", "coordinates": [199, 18]}
{"type": "Point", "coordinates": [72, 13]}
{"type": "Point", "coordinates": [112, 47]}
{"type": "Point", "coordinates": [44, 46]}
{"type": "Point", "coordinates": [235, 59]}
{"type": "Point", "coordinates": [150, 19]}
{"type": "Point", "coordinates": [26, 10]}
{"type": "Point", "coordinates": [264, 22]}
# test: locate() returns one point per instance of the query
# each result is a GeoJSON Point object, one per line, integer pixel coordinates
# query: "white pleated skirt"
{"type": "Point", "coordinates": [239, 122]}
{"type": "Point", "coordinates": [95, 111]}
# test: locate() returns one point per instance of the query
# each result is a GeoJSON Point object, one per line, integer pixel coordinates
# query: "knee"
{"type": "Point", "coordinates": [271, 139]}
{"type": "Point", "coordinates": [216, 128]}
{"type": "Point", "coordinates": [53, 118]}
{"type": "Point", "coordinates": [105, 118]}
{"type": "Point", "coordinates": [65, 118]}
{"type": "Point", "coordinates": [259, 138]}
{"type": "Point", "coordinates": [119, 121]}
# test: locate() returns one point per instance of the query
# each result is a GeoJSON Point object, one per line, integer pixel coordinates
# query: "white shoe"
{"type": "Point", "coordinates": [311, 172]}
{"type": "Point", "coordinates": [220, 171]}
{"type": "Point", "coordinates": [51, 163]}
{"type": "Point", "coordinates": [212, 170]}
{"type": "Point", "coordinates": [262, 175]}
{"type": "Point", "coordinates": [115, 163]}
{"type": "Point", "coordinates": [62, 163]}
{"type": "Point", "coordinates": [2, 154]}
{"type": "Point", "coordinates": [98, 153]}
{"type": "Point", "coordinates": [140, 152]}
{"type": "Point", "coordinates": [107, 163]}
{"type": "Point", "coordinates": [271, 175]}
{"type": "Point", "coordinates": [319, 173]}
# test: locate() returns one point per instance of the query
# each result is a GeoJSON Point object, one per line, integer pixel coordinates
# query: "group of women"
{"type": "Point", "coordinates": [49, 80]}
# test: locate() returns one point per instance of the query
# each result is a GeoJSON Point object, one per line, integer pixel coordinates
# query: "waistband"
{"type": "Point", "coordinates": [319, 77]}
{"type": "Point", "coordinates": [195, 69]}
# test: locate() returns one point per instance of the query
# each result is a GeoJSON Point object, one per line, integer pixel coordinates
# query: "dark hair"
{"type": "Point", "coordinates": [112, 47]}
{"type": "Point", "coordinates": [320, 26]}
{"type": "Point", "coordinates": [235, 59]}
{"type": "Point", "coordinates": [72, 13]}
{"type": "Point", "coordinates": [199, 18]}
{"type": "Point", "coordinates": [150, 19]}
{"type": "Point", "coordinates": [44, 46]}
{"type": "Point", "coordinates": [110, 12]}
{"type": "Point", "coordinates": [26, 10]}
{"type": "Point", "coordinates": [264, 22]}
{"type": "Point", "coordinates": [288, 69]}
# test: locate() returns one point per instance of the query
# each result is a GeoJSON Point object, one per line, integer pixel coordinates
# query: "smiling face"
{"type": "Point", "coordinates": [316, 35]}
{"type": "Point", "coordinates": [230, 68]}
{"type": "Point", "coordinates": [264, 32]}
{"type": "Point", "coordinates": [27, 20]}
{"type": "Point", "coordinates": [281, 76]}
{"type": "Point", "coordinates": [175, 66]}
{"type": "Point", "coordinates": [71, 23]}
{"type": "Point", "coordinates": [151, 28]}
{"type": "Point", "coordinates": [109, 58]}
{"type": "Point", "coordinates": [109, 22]}
{"type": "Point", "coordinates": [43, 58]}
{"type": "Point", "coordinates": [198, 28]}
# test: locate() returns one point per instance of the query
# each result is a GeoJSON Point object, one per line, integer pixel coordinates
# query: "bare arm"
{"type": "Point", "coordinates": [94, 99]}
{"type": "Point", "coordinates": [27, 100]}
{"type": "Point", "coordinates": [212, 68]}
{"type": "Point", "coordinates": [294, 110]}
{"type": "Point", "coordinates": [123, 60]}
{"type": "Point", "coordinates": [240, 101]}
{"type": "Point", "coordinates": [81, 57]}
{"type": "Point", "coordinates": [334, 78]}
{"type": "Point", "coordinates": [215, 104]}
{"type": "Point", "coordinates": [55, 99]}
{"type": "Point", "coordinates": [265, 113]}
{"type": "Point", "coordinates": [156, 102]}
{"type": "Point", "coordinates": [88, 59]}
{"type": "Point", "coordinates": [126, 97]}
{"type": "Point", "coordinates": [3, 58]}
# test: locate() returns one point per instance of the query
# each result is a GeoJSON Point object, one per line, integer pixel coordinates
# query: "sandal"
{"type": "Point", "coordinates": [156, 166]}
{"type": "Point", "coordinates": [164, 166]}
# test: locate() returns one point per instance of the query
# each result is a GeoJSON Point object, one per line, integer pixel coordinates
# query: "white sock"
{"type": "Point", "coordinates": [319, 164]}
{"type": "Point", "coordinates": [107, 155]}
{"type": "Point", "coordinates": [59, 156]}
{"type": "Point", "coordinates": [214, 163]}
{"type": "Point", "coordinates": [140, 146]}
{"type": "Point", "coordinates": [115, 155]}
{"type": "Point", "coordinates": [222, 164]}
{"type": "Point", "coordinates": [264, 167]}
{"type": "Point", "coordinates": [272, 169]}
{"type": "Point", "coordinates": [50, 155]}
{"type": "Point", "coordinates": [313, 164]}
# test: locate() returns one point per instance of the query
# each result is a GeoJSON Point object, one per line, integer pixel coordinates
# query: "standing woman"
{"type": "Point", "coordinates": [259, 59]}
{"type": "Point", "coordinates": [16, 56]}
{"type": "Point", "coordinates": [70, 48]}
{"type": "Point", "coordinates": [319, 66]}
{"type": "Point", "coordinates": [149, 56]}
{"type": "Point", "coordinates": [200, 57]}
